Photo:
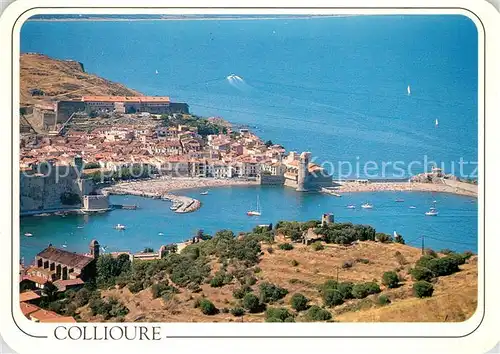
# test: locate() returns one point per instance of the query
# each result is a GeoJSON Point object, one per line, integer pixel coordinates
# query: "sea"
{"type": "Point", "coordinates": [368, 96]}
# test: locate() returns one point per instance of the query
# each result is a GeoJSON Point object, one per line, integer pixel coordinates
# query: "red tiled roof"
{"type": "Point", "coordinates": [63, 284]}
{"type": "Point", "coordinates": [138, 99]}
{"type": "Point", "coordinates": [28, 308]}
{"type": "Point", "coordinates": [64, 257]}
{"type": "Point", "coordinates": [59, 319]}
{"type": "Point", "coordinates": [28, 295]}
{"type": "Point", "coordinates": [42, 315]}
{"type": "Point", "coordinates": [35, 279]}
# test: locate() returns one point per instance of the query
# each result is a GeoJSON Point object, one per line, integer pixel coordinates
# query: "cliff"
{"type": "Point", "coordinates": [44, 79]}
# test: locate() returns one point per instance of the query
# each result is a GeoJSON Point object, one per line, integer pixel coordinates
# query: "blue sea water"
{"type": "Point", "coordinates": [334, 86]}
{"type": "Point", "coordinates": [225, 208]}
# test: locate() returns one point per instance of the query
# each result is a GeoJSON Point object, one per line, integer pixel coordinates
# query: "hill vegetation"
{"type": "Point", "coordinates": [44, 80]}
{"type": "Point", "coordinates": [229, 277]}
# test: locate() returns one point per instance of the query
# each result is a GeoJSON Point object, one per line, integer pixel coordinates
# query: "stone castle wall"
{"type": "Point", "coordinates": [40, 192]}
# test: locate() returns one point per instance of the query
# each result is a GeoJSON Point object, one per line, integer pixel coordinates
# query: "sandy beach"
{"type": "Point", "coordinates": [460, 188]}
{"type": "Point", "coordinates": [168, 185]}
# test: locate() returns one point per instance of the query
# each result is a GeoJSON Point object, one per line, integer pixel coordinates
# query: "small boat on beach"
{"type": "Point", "coordinates": [28, 234]}
{"type": "Point", "coordinates": [367, 206]}
{"type": "Point", "coordinates": [351, 207]}
{"type": "Point", "coordinates": [257, 211]}
{"type": "Point", "coordinates": [119, 227]}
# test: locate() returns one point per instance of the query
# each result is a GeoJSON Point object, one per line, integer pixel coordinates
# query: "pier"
{"type": "Point", "coordinates": [186, 204]}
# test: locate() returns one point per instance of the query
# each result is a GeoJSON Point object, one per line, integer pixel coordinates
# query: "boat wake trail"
{"type": "Point", "coordinates": [238, 82]}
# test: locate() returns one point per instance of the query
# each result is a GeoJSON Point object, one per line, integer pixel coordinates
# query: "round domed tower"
{"type": "Point", "coordinates": [94, 248]}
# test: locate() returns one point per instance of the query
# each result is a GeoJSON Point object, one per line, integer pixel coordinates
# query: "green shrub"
{"type": "Point", "coordinates": [251, 303]}
{"type": "Point", "coordinates": [316, 313]}
{"type": "Point", "coordinates": [135, 287]}
{"type": "Point", "coordinates": [294, 263]}
{"type": "Point", "coordinates": [446, 251]}
{"type": "Point", "coordinates": [424, 261]}
{"type": "Point", "coordinates": [299, 302]}
{"type": "Point", "coordinates": [332, 298]}
{"type": "Point", "coordinates": [390, 279]}
{"type": "Point", "coordinates": [317, 246]}
{"type": "Point", "coordinates": [421, 273]}
{"type": "Point", "coordinates": [241, 292]}
{"type": "Point", "coordinates": [278, 314]}
{"type": "Point", "coordinates": [345, 288]}
{"type": "Point", "coordinates": [217, 281]}
{"type": "Point", "coordinates": [270, 293]}
{"type": "Point", "coordinates": [207, 307]}
{"type": "Point", "coordinates": [384, 238]}
{"type": "Point", "coordinates": [286, 246]}
{"type": "Point", "coordinates": [383, 300]}
{"type": "Point", "coordinates": [444, 266]}
{"type": "Point", "coordinates": [362, 290]}
{"type": "Point", "coordinates": [237, 311]}
{"type": "Point", "coordinates": [423, 289]}
{"type": "Point", "coordinates": [430, 252]}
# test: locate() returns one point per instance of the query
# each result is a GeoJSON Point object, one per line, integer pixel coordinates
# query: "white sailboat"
{"type": "Point", "coordinates": [367, 206]}
{"type": "Point", "coordinates": [437, 123]}
{"type": "Point", "coordinates": [256, 212]}
{"type": "Point", "coordinates": [409, 90]}
{"type": "Point", "coordinates": [119, 227]}
{"type": "Point", "coordinates": [156, 72]}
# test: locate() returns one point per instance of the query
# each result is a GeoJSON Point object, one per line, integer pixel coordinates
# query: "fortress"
{"type": "Point", "coordinates": [303, 175]}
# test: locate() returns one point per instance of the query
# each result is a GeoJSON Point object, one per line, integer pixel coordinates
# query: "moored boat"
{"type": "Point", "coordinates": [367, 206]}
{"type": "Point", "coordinates": [119, 227]}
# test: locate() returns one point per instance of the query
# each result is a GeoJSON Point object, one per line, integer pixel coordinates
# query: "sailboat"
{"type": "Point", "coordinates": [367, 206]}
{"type": "Point", "coordinates": [409, 90]}
{"type": "Point", "coordinates": [204, 193]}
{"type": "Point", "coordinates": [432, 211]}
{"type": "Point", "coordinates": [437, 123]}
{"type": "Point", "coordinates": [256, 212]}
{"type": "Point", "coordinates": [156, 72]}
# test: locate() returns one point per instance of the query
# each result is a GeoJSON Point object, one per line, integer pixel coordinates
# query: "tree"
{"type": "Point", "coordinates": [207, 307]}
{"type": "Point", "coordinates": [237, 311]}
{"type": "Point", "coordinates": [50, 291]}
{"type": "Point", "coordinates": [423, 289]}
{"type": "Point", "coordinates": [299, 302]}
{"type": "Point", "coordinates": [270, 293]}
{"type": "Point", "coordinates": [278, 314]}
{"type": "Point", "coordinates": [286, 246]}
{"type": "Point", "coordinates": [332, 297]}
{"type": "Point", "coordinates": [390, 279]}
{"type": "Point", "coordinates": [421, 273]}
{"type": "Point", "coordinates": [269, 143]}
{"type": "Point", "coordinates": [251, 303]}
{"type": "Point", "coordinates": [316, 313]}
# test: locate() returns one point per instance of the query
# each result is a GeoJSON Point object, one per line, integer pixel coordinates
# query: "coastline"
{"type": "Point", "coordinates": [163, 188]}
{"type": "Point", "coordinates": [460, 188]}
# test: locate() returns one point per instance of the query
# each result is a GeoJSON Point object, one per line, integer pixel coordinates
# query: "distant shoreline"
{"type": "Point", "coordinates": [186, 18]}
{"type": "Point", "coordinates": [460, 188]}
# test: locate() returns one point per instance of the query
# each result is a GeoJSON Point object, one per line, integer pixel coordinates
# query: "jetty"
{"type": "Point", "coordinates": [185, 204]}
{"type": "Point", "coordinates": [331, 191]}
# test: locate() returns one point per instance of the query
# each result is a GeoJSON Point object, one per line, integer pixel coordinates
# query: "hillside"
{"type": "Point", "coordinates": [302, 270]}
{"type": "Point", "coordinates": [62, 79]}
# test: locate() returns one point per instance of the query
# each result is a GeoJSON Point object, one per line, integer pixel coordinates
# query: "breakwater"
{"type": "Point", "coordinates": [183, 204]}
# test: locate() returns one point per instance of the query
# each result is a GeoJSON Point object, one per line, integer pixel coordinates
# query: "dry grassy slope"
{"type": "Point", "coordinates": [62, 79]}
{"type": "Point", "coordinates": [455, 296]}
